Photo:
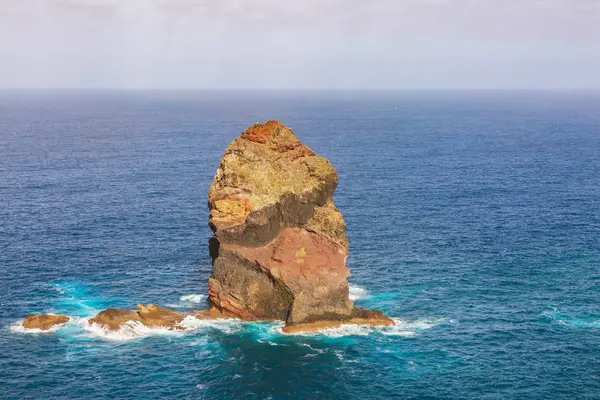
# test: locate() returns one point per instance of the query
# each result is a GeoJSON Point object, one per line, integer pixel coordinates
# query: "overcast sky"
{"type": "Point", "coordinates": [300, 44]}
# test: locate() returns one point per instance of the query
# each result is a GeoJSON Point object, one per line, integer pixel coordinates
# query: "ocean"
{"type": "Point", "coordinates": [473, 220]}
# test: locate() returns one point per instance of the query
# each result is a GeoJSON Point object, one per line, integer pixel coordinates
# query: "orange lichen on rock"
{"type": "Point", "coordinates": [261, 133]}
{"type": "Point", "coordinates": [276, 136]}
{"type": "Point", "coordinates": [231, 210]}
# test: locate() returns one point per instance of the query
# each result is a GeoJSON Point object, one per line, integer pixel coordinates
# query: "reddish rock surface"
{"type": "Point", "coordinates": [279, 247]}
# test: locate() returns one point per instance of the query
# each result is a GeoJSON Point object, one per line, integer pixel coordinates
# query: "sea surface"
{"type": "Point", "coordinates": [473, 220]}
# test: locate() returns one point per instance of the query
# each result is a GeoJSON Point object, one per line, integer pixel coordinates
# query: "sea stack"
{"type": "Point", "coordinates": [279, 247]}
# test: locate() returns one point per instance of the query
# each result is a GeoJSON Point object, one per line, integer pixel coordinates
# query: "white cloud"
{"type": "Point", "coordinates": [299, 44]}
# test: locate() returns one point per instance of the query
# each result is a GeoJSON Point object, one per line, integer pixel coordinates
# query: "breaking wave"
{"type": "Point", "coordinates": [189, 301]}
{"type": "Point", "coordinates": [228, 326]}
{"type": "Point", "coordinates": [401, 328]}
{"type": "Point", "coordinates": [17, 327]}
{"type": "Point", "coordinates": [135, 330]}
{"type": "Point", "coordinates": [192, 298]}
{"type": "Point", "coordinates": [128, 331]}
{"type": "Point", "coordinates": [558, 318]}
{"type": "Point", "coordinates": [357, 292]}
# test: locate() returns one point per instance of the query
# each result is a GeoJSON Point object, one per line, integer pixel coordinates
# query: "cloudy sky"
{"type": "Point", "coordinates": [300, 44]}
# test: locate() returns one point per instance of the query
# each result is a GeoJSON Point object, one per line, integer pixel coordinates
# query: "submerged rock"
{"type": "Point", "coordinates": [44, 322]}
{"type": "Point", "coordinates": [113, 318]}
{"type": "Point", "coordinates": [279, 247]}
{"type": "Point", "coordinates": [358, 317]}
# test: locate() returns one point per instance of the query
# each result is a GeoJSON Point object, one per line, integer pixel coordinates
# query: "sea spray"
{"type": "Point", "coordinates": [357, 292]}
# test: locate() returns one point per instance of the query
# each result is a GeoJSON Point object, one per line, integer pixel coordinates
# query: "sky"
{"type": "Point", "coordinates": [300, 44]}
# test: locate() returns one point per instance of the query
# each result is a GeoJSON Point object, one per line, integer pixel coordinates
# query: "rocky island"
{"type": "Point", "coordinates": [279, 248]}
{"type": "Point", "coordinates": [279, 244]}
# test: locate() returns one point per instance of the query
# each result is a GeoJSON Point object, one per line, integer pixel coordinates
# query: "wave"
{"type": "Point", "coordinates": [135, 330]}
{"type": "Point", "coordinates": [559, 318]}
{"type": "Point", "coordinates": [357, 292]}
{"type": "Point", "coordinates": [128, 331]}
{"type": "Point", "coordinates": [401, 328]}
{"type": "Point", "coordinates": [189, 301]}
{"type": "Point", "coordinates": [228, 326]}
{"type": "Point", "coordinates": [192, 298]}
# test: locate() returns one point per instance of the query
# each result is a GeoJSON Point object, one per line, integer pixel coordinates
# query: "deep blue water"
{"type": "Point", "coordinates": [473, 219]}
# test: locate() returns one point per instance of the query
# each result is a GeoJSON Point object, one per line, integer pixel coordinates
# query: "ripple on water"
{"type": "Point", "coordinates": [564, 319]}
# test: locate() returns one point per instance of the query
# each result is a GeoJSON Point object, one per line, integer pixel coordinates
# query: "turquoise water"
{"type": "Point", "coordinates": [473, 220]}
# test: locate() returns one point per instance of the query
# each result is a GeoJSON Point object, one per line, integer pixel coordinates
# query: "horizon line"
{"type": "Point", "coordinates": [330, 90]}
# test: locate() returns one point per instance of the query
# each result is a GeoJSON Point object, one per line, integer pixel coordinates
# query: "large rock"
{"type": "Point", "coordinates": [279, 247]}
{"type": "Point", "coordinates": [44, 322]}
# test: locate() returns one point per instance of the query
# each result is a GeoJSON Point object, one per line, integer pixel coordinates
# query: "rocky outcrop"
{"type": "Point", "coordinates": [151, 316]}
{"type": "Point", "coordinates": [279, 244]}
{"type": "Point", "coordinates": [358, 317]}
{"type": "Point", "coordinates": [279, 247]}
{"type": "Point", "coordinates": [44, 322]}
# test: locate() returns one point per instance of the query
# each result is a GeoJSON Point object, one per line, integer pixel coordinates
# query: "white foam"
{"type": "Point", "coordinates": [228, 325]}
{"type": "Point", "coordinates": [192, 298]}
{"type": "Point", "coordinates": [401, 328]}
{"type": "Point", "coordinates": [555, 316]}
{"type": "Point", "coordinates": [188, 300]}
{"type": "Point", "coordinates": [356, 292]}
{"type": "Point", "coordinates": [135, 330]}
{"type": "Point", "coordinates": [128, 331]}
{"type": "Point", "coordinates": [411, 328]}
{"type": "Point", "coordinates": [18, 327]}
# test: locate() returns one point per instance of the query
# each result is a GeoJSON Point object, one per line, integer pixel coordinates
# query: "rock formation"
{"type": "Point", "coordinates": [151, 316]}
{"type": "Point", "coordinates": [279, 247]}
{"type": "Point", "coordinates": [44, 322]}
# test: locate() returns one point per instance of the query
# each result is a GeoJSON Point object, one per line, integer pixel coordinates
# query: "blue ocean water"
{"type": "Point", "coordinates": [473, 220]}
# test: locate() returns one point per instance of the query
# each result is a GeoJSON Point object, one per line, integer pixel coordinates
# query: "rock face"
{"type": "Point", "coordinates": [44, 322]}
{"type": "Point", "coordinates": [279, 247]}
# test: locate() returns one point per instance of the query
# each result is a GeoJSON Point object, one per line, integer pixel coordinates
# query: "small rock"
{"type": "Point", "coordinates": [44, 322]}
